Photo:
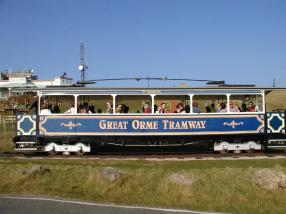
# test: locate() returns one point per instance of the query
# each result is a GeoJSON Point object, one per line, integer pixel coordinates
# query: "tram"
{"type": "Point", "coordinates": [78, 120]}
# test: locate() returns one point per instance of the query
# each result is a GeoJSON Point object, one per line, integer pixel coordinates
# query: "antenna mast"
{"type": "Point", "coordinates": [82, 67]}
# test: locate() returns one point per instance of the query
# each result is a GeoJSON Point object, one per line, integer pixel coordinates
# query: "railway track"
{"type": "Point", "coordinates": [149, 156]}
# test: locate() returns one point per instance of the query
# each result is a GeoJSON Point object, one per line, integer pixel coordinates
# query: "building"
{"type": "Point", "coordinates": [27, 79]}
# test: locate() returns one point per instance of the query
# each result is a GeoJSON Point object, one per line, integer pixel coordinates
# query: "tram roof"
{"type": "Point", "coordinates": [153, 90]}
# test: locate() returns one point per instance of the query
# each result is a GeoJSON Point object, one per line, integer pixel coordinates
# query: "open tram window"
{"type": "Point", "coordinates": [209, 104]}
{"type": "Point", "coordinates": [57, 104]}
{"type": "Point", "coordinates": [172, 104]}
{"type": "Point", "coordinates": [133, 104]}
{"type": "Point", "coordinates": [91, 104]}
{"type": "Point", "coordinates": [246, 103]}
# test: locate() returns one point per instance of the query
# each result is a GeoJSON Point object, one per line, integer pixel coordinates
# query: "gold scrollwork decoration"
{"type": "Point", "coordinates": [233, 124]}
{"type": "Point", "coordinates": [70, 125]}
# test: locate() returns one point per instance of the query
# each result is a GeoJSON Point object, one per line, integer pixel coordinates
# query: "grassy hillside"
{"type": "Point", "coordinates": [276, 100]}
{"type": "Point", "coordinates": [222, 186]}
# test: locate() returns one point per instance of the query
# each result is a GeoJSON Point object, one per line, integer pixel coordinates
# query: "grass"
{"type": "Point", "coordinates": [6, 143]}
{"type": "Point", "coordinates": [220, 185]}
{"type": "Point", "coordinates": [276, 100]}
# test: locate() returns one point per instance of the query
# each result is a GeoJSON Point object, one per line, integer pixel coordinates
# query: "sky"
{"type": "Point", "coordinates": [239, 41]}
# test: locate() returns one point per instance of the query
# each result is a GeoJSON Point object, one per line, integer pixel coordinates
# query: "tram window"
{"type": "Point", "coordinates": [57, 104]}
{"type": "Point", "coordinates": [246, 103]}
{"type": "Point", "coordinates": [209, 104]}
{"type": "Point", "coordinates": [91, 104]}
{"type": "Point", "coordinates": [172, 104]}
{"type": "Point", "coordinates": [133, 104]}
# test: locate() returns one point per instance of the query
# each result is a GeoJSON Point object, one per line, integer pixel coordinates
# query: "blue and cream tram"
{"type": "Point", "coordinates": [78, 119]}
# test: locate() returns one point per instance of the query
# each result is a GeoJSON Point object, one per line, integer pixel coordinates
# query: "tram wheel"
{"type": "Point", "coordinates": [250, 151]}
{"type": "Point", "coordinates": [224, 151]}
{"type": "Point", "coordinates": [80, 153]}
{"type": "Point", "coordinates": [53, 152]}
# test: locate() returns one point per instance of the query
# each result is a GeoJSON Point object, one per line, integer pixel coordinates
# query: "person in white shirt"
{"type": "Point", "coordinates": [222, 108]}
{"type": "Point", "coordinates": [233, 108]}
{"type": "Point", "coordinates": [180, 108]}
{"type": "Point", "coordinates": [44, 109]}
{"type": "Point", "coordinates": [161, 109]}
{"type": "Point", "coordinates": [71, 110]}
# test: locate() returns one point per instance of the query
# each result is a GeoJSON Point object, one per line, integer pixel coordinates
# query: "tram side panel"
{"type": "Point", "coordinates": [151, 125]}
{"type": "Point", "coordinates": [63, 132]}
{"type": "Point", "coordinates": [92, 128]}
{"type": "Point", "coordinates": [276, 136]}
{"type": "Point", "coordinates": [26, 136]}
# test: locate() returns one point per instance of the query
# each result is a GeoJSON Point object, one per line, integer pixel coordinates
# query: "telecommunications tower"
{"type": "Point", "coordinates": [82, 67]}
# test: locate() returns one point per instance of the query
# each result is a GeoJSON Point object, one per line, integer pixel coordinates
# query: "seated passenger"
{"type": "Point", "coordinates": [187, 108]}
{"type": "Point", "coordinates": [85, 108]}
{"type": "Point", "coordinates": [212, 107]}
{"type": "Point", "coordinates": [180, 108]}
{"type": "Point", "coordinates": [196, 107]}
{"type": "Point", "coordinates": [251, 107]}
{"type": "Point", "coordinates": [109, 108]}
{"type": "Point", "coordinates": [125, 108]}
{"type": "Point", "coordinates": [120, 109]}
{"type": "Point", "coordinates": [161, 108]}
{"type": "Point", "coordinates": [155, 108]}
{"type": "Point", "coordinates": [208, 109]}
{"type": "Point", "coordinates": [45, 109]}
{"type": "Point", "coordinates": [71, 110]}
{"type": "Point", "coordinates": [91, 109]}
{"type": "Point", "coordinates": [233, 108]}
{"type": "Point", "coordinates": [146, 108]}
{"type": "Point", "coordinates": [56, 109]}
{"type": "Point", "coordinates": [222, 108]}
{"type": "Point", "coordinates": [80, 109]}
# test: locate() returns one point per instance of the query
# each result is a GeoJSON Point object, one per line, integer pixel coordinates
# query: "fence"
{"type": "Point", "coordinates": [7, 121]}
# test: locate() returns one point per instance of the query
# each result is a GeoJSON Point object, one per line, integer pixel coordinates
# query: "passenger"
{"type": "Point", "coordinates": [155, 108]}
{"type": "Point", "coordinates": [196, 107]}
{"type": "Point", "coordinates": [233, 108]}
{"type": "Point", "coordinates": [71, 110]}
{"type": "Point", "coordinates": [91, 109]}
{"type": "Point", "coordinates": [187, 108]}
{"type": "Point", "coordinates": [212, 107]}
{"type": "Point", "coordinates": [125, 108]}
{"type": "Point", "coordinates": [109, 108]}
{"type": "Point", "coordinates": [251, 107]}
{"type": "Point", "coordinates": [146, 108]}
{"type": "Point", "coordinates": [208, 109]}
{"type": "Point", "coordinates": [180, 108]}
{"type": "Point", "coordinates": [50, 106]}
{"type": "Point", "coordinates": [222, 108]}
{"type": "Point", "coordinates": [161, 108]}
{"type": "Point", "coordinates": [80, 109]}
{"type": "Point", "coordinates": [45, 109]}
{"type": "Point", "coordinates": [120, 109]}
{"type": "Point", "coordinates": [56, 109]}
{"type": "Point", "coordinates": [243, 107]}
{"type": "Point", "coordinates": [99, 111]}
{"type": "Point", "coordinates": [85, 108]}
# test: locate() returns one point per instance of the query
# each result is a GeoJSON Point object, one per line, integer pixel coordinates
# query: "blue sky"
{"type": "Point", "coordinates": [240, 41]}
